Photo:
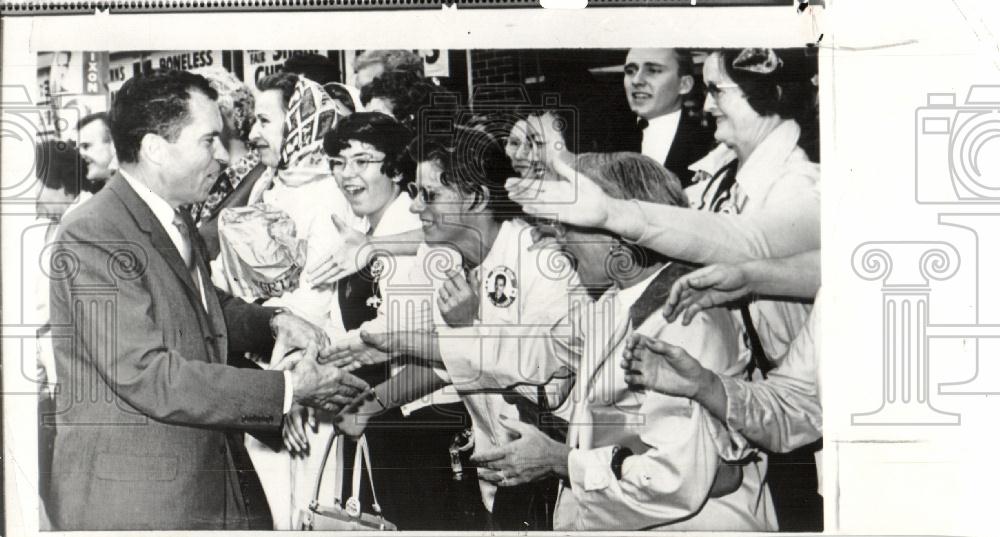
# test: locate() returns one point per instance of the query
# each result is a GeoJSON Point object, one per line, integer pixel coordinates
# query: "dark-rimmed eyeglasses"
{"type": "Point", "coordinates": [425, 195]}
{"type": "Point", "coordinates": [358, 164]}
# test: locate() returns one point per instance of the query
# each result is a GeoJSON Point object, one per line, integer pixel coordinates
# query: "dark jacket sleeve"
{"type": "Point", "coordinates": [248, 325]}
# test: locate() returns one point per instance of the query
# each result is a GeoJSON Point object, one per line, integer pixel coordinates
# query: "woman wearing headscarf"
{"type": "Point", "coordinates": [633, 459]}
{"type": "Point", "coordinates": [293, 114]}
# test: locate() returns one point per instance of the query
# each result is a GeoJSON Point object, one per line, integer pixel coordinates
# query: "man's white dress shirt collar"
{"type": "Point", "coordinates": [658, 136]}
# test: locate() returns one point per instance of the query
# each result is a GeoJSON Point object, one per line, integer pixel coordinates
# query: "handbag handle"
{"type": "Point", "coordinates": [359, 453]}
{"type": "Point", "coordinates": [331, 444]}
{"type": "Point", "coordinates": [361, 458]}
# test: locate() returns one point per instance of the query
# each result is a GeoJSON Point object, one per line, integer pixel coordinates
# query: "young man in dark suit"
{"type": "Point", "coordinates": [145, 398]}
{"type": "Point", "coordinates": [657, 81]}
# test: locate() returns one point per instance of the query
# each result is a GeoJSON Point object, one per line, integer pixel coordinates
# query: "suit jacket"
{"type": "Point", "coordinates": [692, 142]}
{"type": "Point", "coordinates": [146, 399]}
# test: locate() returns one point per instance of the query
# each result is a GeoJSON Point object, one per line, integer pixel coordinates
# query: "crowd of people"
{"type": "Point", "coordinates": [524, 321]}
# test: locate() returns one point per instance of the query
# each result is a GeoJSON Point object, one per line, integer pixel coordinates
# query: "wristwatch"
{"type": "Point", "coordinates": [618, 456]}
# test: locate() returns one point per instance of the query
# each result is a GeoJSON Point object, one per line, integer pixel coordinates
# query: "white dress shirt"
{"type": "Point", "coordinates": [658, 136]}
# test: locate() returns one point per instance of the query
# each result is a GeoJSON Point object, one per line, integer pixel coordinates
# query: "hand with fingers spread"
{"type": "Point", "coordinates": [659, 366]}
{"type": "Point", "coordinates": [570, 197]}
{"type": "Point", "coordinates": [323, 385]}
{"type": "Point", "coordinates": [352, 256]}
{"type": "Point", "coordinates": [531, 457]}
{"type": "Point", "coordinates": [293, 429]}
{"type": "Point", "coordinates": [705, 288]}
{"type": "Point", "coordinates": [354, 353]}
{"type": "Point", "coordinates": [458, 300]}
{"type": "Point", "coordinates": [419, 344]}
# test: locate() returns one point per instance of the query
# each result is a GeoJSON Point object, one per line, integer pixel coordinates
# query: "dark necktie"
{"type": "Point", "coordinates": [185, 246]}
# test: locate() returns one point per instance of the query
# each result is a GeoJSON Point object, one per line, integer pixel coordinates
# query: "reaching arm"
{"type": "Point", "coordinates": [780, 413]}
{"type": "Point", "coordinates": [788, 226]}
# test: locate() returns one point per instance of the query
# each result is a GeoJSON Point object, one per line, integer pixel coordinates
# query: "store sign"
{"type": "Point", "coordinates": [187, 60]}
{"type": "Point", "coordinates": [95, 73]}
{"type": "Point", "coordinates": [435, 62]}
{"type": "Point", "coordinates": [259, 63]}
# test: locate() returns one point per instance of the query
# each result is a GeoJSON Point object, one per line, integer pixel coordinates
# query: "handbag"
{"type": "Point", "coordinates": [348, 516]}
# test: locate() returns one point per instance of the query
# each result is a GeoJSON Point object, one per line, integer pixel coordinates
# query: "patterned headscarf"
{"type": "Point", "coordinates": [311, 114]}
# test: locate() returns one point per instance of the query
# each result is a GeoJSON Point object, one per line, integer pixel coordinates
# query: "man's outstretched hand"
{"type": "Point", "coordinates": [323, 386]}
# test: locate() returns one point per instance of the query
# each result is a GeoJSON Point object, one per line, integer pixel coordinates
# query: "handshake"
{"type": "Point", "coordinates": [300, 348]}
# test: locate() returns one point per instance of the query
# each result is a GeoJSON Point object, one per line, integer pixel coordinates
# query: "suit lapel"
{"type": "Point", "coordinates": [147, 222]}
{"type": "Point", "coordinates": [679, 147]}
{"type": "Point", "coordinates": [216, 317]}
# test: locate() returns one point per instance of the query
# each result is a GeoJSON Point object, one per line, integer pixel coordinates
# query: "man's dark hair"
{"type": "Point", "coordinates": [281, 81]}
{"type": "Point", "coordinates": [315, 67]}
{"type": "Point", "coordinates": [474, 163]}
{"type": "Point", "coordinates": [380, 131]}
{"type": "Point", "coordinates": [407, 91]}
{"type": "Point", "coordinates": [153, 103]}
{"type": "Point", "coordinates": [96, 116]}
{"type": "Point", "coordinates": [499, 278]}
{"type": "Point", "coordinates": [58, 166]}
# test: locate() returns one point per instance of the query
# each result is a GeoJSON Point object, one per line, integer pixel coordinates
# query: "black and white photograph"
{"type": "Point", "coordinates": [488, 289]}
{"type": "Point", "coordinates": [505, 269]}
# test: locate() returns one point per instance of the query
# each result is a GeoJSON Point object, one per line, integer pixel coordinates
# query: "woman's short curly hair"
{"type": "Point", "coordinates": [407, 91]}
{"type": "Point", "coordinates": [772, 84]}
{"type": "Point", "coordinates": [381, 132]}
{"type": "Point", "coordinates": [472, 162]}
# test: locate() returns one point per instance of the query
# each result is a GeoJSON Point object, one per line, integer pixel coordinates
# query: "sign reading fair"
{"type": "Point", "coordinates": [259, 63]}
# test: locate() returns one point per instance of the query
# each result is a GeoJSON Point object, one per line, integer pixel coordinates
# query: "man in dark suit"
{"type": "Point", "coordinates": [145, 398]}
{"type": "Point", "coordinates": [657, 81]}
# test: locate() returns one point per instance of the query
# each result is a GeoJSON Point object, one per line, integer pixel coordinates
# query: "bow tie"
{"type": "Point", "coordinates": [642, 124]}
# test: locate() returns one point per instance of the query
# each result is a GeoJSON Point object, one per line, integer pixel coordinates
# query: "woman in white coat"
{"type": "Point", "coordinates": [634, 459]}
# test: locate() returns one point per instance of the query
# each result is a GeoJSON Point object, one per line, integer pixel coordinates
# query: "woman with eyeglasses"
{"type": "Point", "coordinates": [368, 158]}
{"type": "Point", "coordinates": [292, 115]}
{"type": "Point", "coordinates": [758, 178]}
{"type": "Point", "coordinates": [756, 195]}
{"type": "Point", "coordinates": [633, 459]}
{"type": "Point", "coordinates": [499, 282]}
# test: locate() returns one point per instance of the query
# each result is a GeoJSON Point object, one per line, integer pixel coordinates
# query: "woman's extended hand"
{"type": "Point", "coordinates": [565, 194]}
{"type": "Point", "coordinates": [355, 253]}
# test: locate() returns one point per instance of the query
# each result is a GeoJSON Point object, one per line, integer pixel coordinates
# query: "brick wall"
{"type": "Point", "coordinates": [496, 68]}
